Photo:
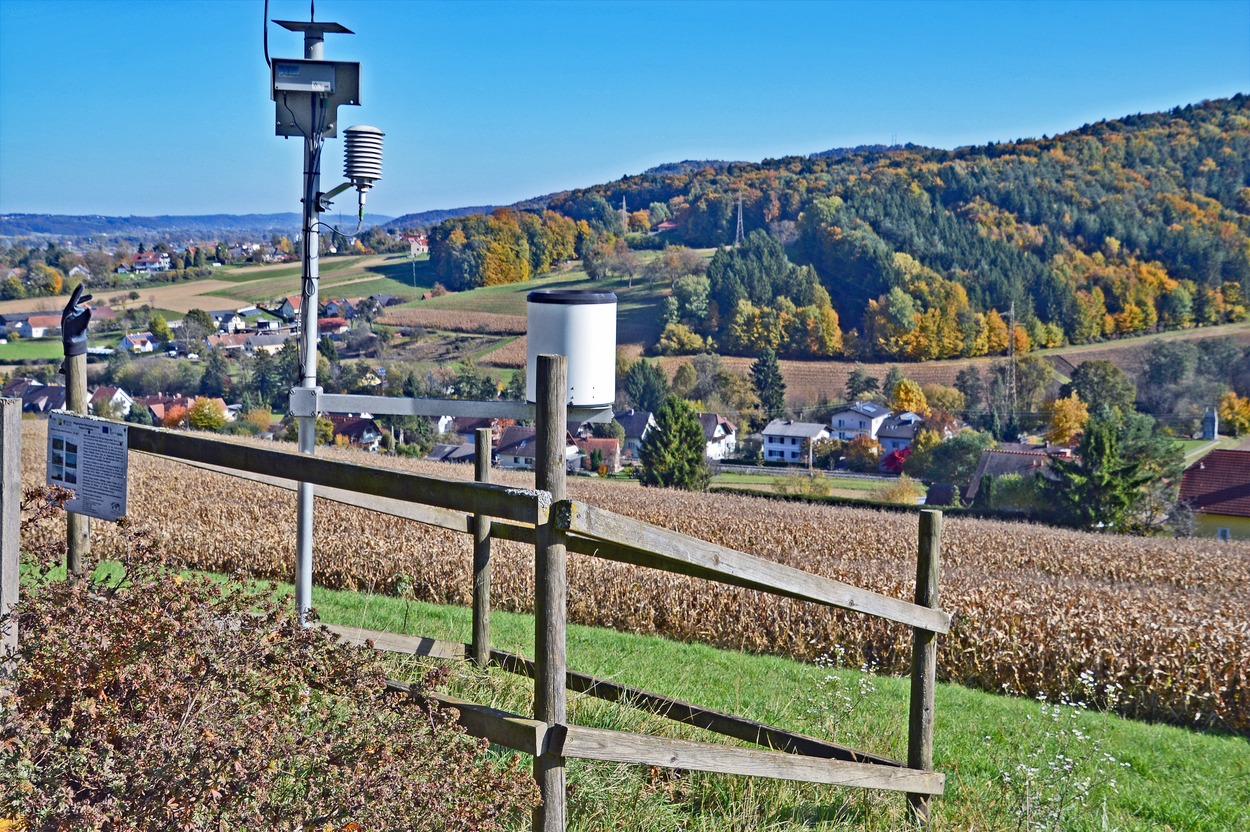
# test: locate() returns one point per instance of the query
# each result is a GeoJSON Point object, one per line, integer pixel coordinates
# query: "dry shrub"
{"type": "Point", "coordinates": [147, 701]}
{"type": "Point", "coordinates": [903, 491]}
{"type": "Point", "coordinates": [1034, 607]}
{"type": "Point", "coordinates": [455, 320]}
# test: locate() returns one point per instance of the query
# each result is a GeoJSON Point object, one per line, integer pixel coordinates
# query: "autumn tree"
{"type": "Point", "coordinates": [862, 453]}
{"type": "Point", "coordinates": [175, 417]}
{"type": "Point", "coordinates": [1068, 416]}
{"type": "Point", "coordinates": [206, 414]}
{"type": "Point", "coordinates": [908, 395]}
{"type": "Point", "coordinates": [1234, 413]}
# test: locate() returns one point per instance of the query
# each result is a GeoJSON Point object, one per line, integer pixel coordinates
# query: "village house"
{"type": "Point", "coordinates": [10, 321]}
{"type": "Point", "coordinates": [1006, 460]}
{"type": "Point", "coordinates": [720, 434]}
{"type": "Point", "coordinates": [448, 452]}
{"type": "Point", "coordinates": [339, 308]}
{"type": "Point", "coordinates": [858, 419]}
{"type": "Point", "coordinates": [1217, 489]}
{"type": "Point", "coordinates": [289, 310]}
{"type": "Point", "coordinates": [228, 320]}
{"type": "Point", "coordinates": [81, 272]}
{"type": "Point", "coordinates": [270, 342]}
{"type": "Point", "coordinates": [36, 396]}
{"type": "Point", "coordinates": [332, 326]}
{"type": "Point", "coordinates": [359, 431]}
{"type": "Point", "coordinates": [518, 449]}
{"type": "Point", "coordinates": [897, 432]}
{"type": "Point", "coordinates": [39, 326]}
{"type": "Point", "coordinates": [138, 342]}
{"type": "Point", "coordinates": [228, 342]}
{"type": "Point", "coordinates": [788, 441]}
{"type": "Point", "coordinates": [150, 262]}
{"type": "Point", "coordinates": [609, 449]}
{"type": "Point", "coordinates": [637, 424]}
{"type": "Point", "coordinates": [467, 426]}
{"type": "Point", "coordinates": [112, 400]}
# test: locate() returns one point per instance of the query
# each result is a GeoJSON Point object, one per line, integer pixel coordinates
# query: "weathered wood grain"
{"type": "Point", "coordinates": [647, 545]}
{"type": "Point", "coordinates": [924, 658]}
{"type": "Point", "coordinates": [640, 749]}
{"type": "Point", "coordinates": [521, 504]}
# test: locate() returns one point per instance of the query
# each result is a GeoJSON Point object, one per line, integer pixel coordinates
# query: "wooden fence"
{"type": "Point", "coordinates": [554, 525]}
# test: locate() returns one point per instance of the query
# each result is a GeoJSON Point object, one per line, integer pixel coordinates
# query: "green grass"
{"type": "Point", "coordinates": [1178, 780]}
{"type": "Point", "coordinates": [326, 266]}
{"type": "Point", "coordinates": [47, 349]}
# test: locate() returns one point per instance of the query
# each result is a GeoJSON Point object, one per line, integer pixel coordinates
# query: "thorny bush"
{"type": "Point", "coordinates": [145, 700]}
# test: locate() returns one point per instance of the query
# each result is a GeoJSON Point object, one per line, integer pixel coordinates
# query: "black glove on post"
{"type": "Point", "coordinates": [74, 320]}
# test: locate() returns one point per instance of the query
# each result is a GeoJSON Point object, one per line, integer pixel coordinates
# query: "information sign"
{"type": "Point", "coordinates": [89, 457]}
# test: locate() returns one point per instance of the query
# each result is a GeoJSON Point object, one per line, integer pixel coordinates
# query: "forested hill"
{"type": "Point", "coordinates": [1115, 228]}
{"type": "Point", "coordinates": [179, 228]}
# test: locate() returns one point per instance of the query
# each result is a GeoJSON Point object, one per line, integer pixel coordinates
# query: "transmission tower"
{"type": "Point", "coordinates": [1011, 359]}
{"type": "Point", "coordinates": [738, 235]}
{"type": "Point", "coordinates": [624, 216]}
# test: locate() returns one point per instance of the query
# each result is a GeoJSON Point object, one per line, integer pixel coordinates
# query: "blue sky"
{"type": "Point", "coordinates": [163, 107]}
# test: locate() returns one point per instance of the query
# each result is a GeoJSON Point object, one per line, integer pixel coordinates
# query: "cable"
{"type": "Point", "coordinates": [265, 20]}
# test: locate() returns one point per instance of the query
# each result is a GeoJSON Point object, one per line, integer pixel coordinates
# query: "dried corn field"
{"type": "Point", "coordinates": [454, 320]}
{"type": "Point", "coordinates": [1034, 608]}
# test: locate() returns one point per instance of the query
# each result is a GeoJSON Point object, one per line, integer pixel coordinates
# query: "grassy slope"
{"type": "Point", "coordinates": [1178, 779]}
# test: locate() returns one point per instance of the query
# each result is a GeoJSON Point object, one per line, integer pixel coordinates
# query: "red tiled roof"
{"type": "Point", "coordinates": [1219, 483]}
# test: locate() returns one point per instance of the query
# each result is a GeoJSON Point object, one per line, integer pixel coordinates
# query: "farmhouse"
{"type": "Point", "coordinates": [289, 310]}
{"type": "Point", "coordinates": [1000, 462]}
{"type": "Point", "coordinates": [858, 419]}
{"type": "Point", "coordinates": [1217, 488]}
{"type": "Point", "coordinates": [39, 326]}
{"type": "Point", "coordinates": [720, 435]}
{"type": "Point", "coordinates": [785, 439]}
{"type": "Point", "coordinates": [227, 320]}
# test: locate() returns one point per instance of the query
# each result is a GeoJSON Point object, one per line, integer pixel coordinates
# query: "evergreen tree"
{"type": "Point", "coordinates": [1100, 487]}
{"type": "Point", "coordinates": [215, 381]}
{"type": "Point", "coordinates": [769, 384]}
{"type": "Point", "coordinates": [672, 453]}
{"type": "Point", "coordinates": [860, 384]}
{"type": "Point", "coordinates": [892, 377]}
{"type": "Point", "coordinates": [646, 386]}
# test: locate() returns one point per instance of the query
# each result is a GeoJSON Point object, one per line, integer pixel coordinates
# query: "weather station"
{"type": "Point", "coordinates": [579, 327]}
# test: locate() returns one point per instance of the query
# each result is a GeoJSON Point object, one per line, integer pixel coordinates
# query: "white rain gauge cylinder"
{"type": "Point", "coordinates": [582, 326]}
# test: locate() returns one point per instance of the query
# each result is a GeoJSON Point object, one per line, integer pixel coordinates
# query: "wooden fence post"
{"type": "Point", "coordinates": [77, 526]}
{"type": "Point", "coordinates": [10, 516]}
{"type": "Point", "coordinates": [550, 588]}
{"type": "Point", "coordinates": [481, 557]}
{"type": "Point", "coordinates": [924, 659]}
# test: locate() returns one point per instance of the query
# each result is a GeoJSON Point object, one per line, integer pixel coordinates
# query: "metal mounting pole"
{"type": "Point", "coordinates": [314, 50]}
